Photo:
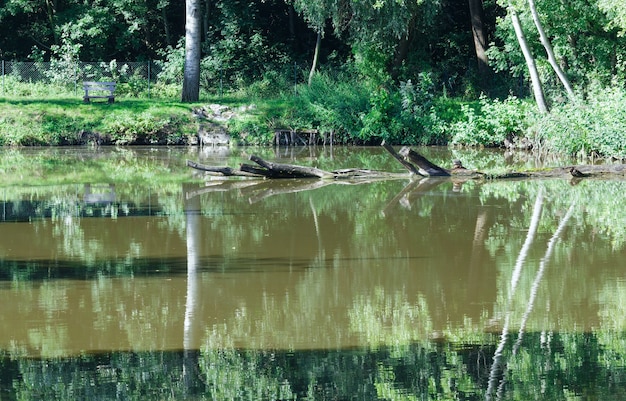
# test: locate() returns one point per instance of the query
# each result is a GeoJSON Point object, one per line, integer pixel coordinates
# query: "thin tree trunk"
{"type": "Point", "coordinates": [530, 62]}
{"type": "Point", "coordinates": [477, 16]}
{"type": "Point", "coordinates": [166, 26]}
{"type": "Point", "coordinates": [191, 79]}
{"type": "Point", "coordinates": [318, 44]}
{"type": "Point", "coordinates": [548, 46]}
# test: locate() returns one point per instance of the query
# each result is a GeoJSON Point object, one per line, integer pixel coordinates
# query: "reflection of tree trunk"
{"type": "Point", "coordinates": [190, 337]}
{"type": "Point", "coordinates": [539, 276]}
{"type": "Point", "coordinates": [499, 364]}
{"type": "Point", "coordinates": [530, 236]}
{"type": "Point", "coordinates": [476, 277]}
{"type": "Point", "coordinates": [496, 374]}
{"type": "Point", "coordinates": [530, 62]}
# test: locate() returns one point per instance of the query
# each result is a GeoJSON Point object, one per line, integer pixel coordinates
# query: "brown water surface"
{"type": "Point", "coordinates": [276, 266]}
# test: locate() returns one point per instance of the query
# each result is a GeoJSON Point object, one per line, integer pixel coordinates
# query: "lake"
{"type": "Point", "coordinates": [127, 275]}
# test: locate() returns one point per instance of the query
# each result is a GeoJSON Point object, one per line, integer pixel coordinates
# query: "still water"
{"type": "Point", "coordinates": [124, 275]}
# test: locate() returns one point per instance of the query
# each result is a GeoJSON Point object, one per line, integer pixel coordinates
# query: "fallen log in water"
{"type": "Point", "coordinates": [279, 170]}
{"type": "Point", "coordinates": [412, 161]}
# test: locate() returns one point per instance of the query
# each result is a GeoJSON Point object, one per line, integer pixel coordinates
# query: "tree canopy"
{"type": "Point", "coordinates": [379, 65]}
{"type": "Point", "coordinates": [384, 39]}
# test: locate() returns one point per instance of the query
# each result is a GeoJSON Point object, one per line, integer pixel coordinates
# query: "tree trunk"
{"type": "Point", "coordinates": [530, 62]}
{"type": "Point", "coordinates": [51, 9]}
{"type": "Point", "coordinates": [401, 53]}
{"type": "Point", "coordinates": [191, 79]}
{"type": "Point", "coordinates": [166, 26]}
{"type": "Point", "coordinates": [548, 46]}
{"type": "Point", "coordinates": [477, 17]}
{"type": "Point", "coordinates": [205, 19]}
{"type": "Point", "coordinates": [318, 44]}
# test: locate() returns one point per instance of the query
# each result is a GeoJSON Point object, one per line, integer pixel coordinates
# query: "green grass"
{"type": "Point", "coordinates": [69, 121]}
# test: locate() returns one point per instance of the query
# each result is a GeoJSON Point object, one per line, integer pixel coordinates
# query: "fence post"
{"type": "Point", "coordinates": [149, 79]}
{"type": "Point", "coordinates": [2, 77]}
{"type": "Point", "coordinates": [221, 81]}
{"type": "Point", "coordinates": [295, 78]}
{"type": "Point", "coordinates": [76, 69]}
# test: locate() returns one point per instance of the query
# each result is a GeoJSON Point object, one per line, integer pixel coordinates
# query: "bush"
{"type": "Point", "coordinates": [596, 126]}
{"type": "Point", "coordinates": [330, 103]}
{"type": "Point", "coordinates": [490, 122]}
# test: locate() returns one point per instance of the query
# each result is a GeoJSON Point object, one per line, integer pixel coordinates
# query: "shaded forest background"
{"type": "Point", "coordinates": [411, 72]}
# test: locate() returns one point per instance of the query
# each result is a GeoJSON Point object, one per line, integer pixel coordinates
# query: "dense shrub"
{"type": "Point", "coordinates": [596, 126]}
{"type": "Point", "coordinates": [490, 122]}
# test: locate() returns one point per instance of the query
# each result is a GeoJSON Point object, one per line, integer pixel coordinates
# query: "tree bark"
{"type": "Point", "coordinates": [549, 51]}
{"type": "Point", "coordinates": [166, 26]}
{"type": "Point", "coordinates": [402, 50]}
{"type": "Point", "coordinates": [318, 44]}
{"type": "Point", "coordinates": [425, 166]}
{"type": "Point", "coordinates": [191, 79]}
{"type": "Point", "coordinates": [477, 16]}
{"type": "Point", "coordinates": [205, 19]}
{"type": "Point", "coordinates": [530, 62]}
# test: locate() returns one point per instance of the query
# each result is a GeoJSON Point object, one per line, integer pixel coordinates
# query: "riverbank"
{"type": "Point", "coordinates": [64, 121]}
{"type": "Point", "coordinates": [585, 128]}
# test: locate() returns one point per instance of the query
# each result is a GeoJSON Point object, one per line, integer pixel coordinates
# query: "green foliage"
{"type": "Point", "coordinates": [596, 126]}
{"type": "Point", "coordinates": [490, 122]}
{"type": "Point", "coordinates": [331, 103]}
{"type": "Point", "coordinates": [356, 113]}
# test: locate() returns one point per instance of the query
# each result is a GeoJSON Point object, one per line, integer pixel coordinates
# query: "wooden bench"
{"type": "Point", "coordinates": [101, 89]}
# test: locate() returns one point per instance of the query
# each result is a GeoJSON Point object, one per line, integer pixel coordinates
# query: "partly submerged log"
{"type": "Point", "coordinates": [267, 169]}
{"type": "Point", "coordinates": [425, 166]}
{"type": "Point", "coordinates": [416, 165]}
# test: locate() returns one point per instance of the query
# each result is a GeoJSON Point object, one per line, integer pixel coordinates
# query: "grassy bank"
{"type": "Point", "coordinates": [66, 121]}
{"type": "Point", "coordinates": [591, 127]}
{"type": "Point", "coordinates": [128, 121]}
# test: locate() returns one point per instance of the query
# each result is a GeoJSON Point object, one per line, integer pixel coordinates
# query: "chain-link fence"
{"type": "Point", "coordinates": [19, 78]}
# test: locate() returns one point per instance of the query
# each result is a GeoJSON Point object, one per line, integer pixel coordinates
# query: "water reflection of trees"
{"type": "Point", "coordinates": [402, 358]}
{"type": "Point", "coordinates": [553, 366]}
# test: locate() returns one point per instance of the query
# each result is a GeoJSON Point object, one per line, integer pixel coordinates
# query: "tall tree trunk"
{"type": "Point", "coordinates": [166, 26]}
{"type": "Point", "coordinates": [191, 78]}
{"type": "Point", "coordinates": [401, 53]}
{"type": "Point", "coordinates": [530, 62]}
{"type": "Point", "coordinates": [548, 46]}
{"type": "Point", "coordinates": [51, 10]}
{"type": "Point", "coordinates": [318, 44]}
{"type": "Point", "coordinates": [477, 16]}
{"type": "Point", "coordinates": [205, 19]}
{"type": "Point", "coordinates": [295, 45]}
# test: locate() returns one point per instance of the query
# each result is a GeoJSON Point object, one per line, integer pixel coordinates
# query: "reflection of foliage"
{"type": "Point", "coordinates": [551, 366]}
{"type": "Point", "coordinates": [383, 276]}
{"type": "Point", "coordinates": [232, 375]}
{"type": "Point", "coordinates": [383, 318]}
